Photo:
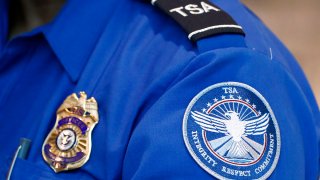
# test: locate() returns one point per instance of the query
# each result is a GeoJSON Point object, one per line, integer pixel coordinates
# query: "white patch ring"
{"type": "Point", "coordinates": [198, 96]}
{"type": "Point", "coordinates": [153, 1]}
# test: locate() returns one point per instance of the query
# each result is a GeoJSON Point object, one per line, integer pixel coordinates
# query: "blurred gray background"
{"type": "Point", "coordinates": [297, 24]}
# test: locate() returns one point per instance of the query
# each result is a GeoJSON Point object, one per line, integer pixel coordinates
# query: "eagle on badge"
{"type": "Point", "coordinates": [68, 145]}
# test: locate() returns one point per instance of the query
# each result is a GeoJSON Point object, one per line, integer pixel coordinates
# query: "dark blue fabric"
{"type": "Point", "coordinates": [3, 23]}
{"type": "Point", "coordinates": [143, 71]}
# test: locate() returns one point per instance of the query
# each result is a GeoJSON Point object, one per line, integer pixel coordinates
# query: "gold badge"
{"type": "Point", "coordinates": [68, 144]}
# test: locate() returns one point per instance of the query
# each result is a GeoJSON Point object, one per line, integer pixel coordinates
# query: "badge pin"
{"type": "Point", "coordinates": [68, 144]}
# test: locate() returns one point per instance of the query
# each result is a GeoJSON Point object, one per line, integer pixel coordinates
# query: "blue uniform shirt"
{"type": "Point", "coordinates": [144, 72]}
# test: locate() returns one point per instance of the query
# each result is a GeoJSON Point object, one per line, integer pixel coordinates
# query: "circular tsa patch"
{"type": "Point", "coordinates": [231, 132]}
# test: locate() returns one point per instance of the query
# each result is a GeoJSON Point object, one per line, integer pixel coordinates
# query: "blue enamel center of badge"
{"type": "Point", "coordinates": [231, 132]}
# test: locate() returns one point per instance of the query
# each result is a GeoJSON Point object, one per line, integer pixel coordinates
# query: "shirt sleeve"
{"type": "Point", "coordinates": [163, 144]}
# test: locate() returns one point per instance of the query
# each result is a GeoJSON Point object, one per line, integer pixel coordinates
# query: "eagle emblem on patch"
{"type": "Point", "coordinates": [231, 132]}
{"type": "Point", "coordinates": [68, 145]}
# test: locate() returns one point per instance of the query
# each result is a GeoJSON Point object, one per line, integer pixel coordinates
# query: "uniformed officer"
{"type": "Point", "coordinates": [121, 89]}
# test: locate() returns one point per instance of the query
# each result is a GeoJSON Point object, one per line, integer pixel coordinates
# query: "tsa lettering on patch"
{"type": "Point", "coordinates": [231, 132]}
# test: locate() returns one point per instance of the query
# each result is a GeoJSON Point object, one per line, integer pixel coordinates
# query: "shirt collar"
{"type": "Point", "coordinates": [75, 32]}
